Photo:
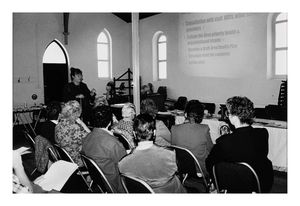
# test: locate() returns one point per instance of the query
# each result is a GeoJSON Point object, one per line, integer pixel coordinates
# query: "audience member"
{"type": "Point", "coordinates": [192, 134]}
{"type": "Point", "coordinates": [110, 92]}
{"type": "Point", "coordinates": [70, 130]}
{"type": "Point", "coordinates": [21, 183]}
{"type": "Point", "coordinates": [125, 125]}
{"type": "Point", "coordinates": [104, 148]}
{"type": "Point", "coordinates": [145, 90]}
{"type": "Point", "coordinates": [150, 85]}
{"type": "Point", "coordinates": [181, 102]}
{"type": "Point", "coordinates": [101, 100]}
{"type": "Point", "coordinates": [244, 144]}
{"type": "Point", "coordinates": [47, 128]}
{"type": "Point", "coordinates": [77, 90]}
{"type": "Point", "coordinates": [149, 162]}
{"type": "Point", "coordinates": [163, 135]}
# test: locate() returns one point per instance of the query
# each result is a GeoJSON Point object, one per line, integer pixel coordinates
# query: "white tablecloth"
{"type": "Point", "coordinates": [277, 140]}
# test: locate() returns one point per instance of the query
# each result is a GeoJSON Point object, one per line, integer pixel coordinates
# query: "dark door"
{"type": "Point", "coordinates": [55, 77]}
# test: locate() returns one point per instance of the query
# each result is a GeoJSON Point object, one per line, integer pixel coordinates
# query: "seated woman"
{"type": "Point", "coordinates": [145, 90]}
{"type": "Point", "coordinates": [70, 130]}
{"type": "Point", "coordinates": [163, 135]}
{"type": "Point", "coordinates": [110, 93]}
{"type": "Point", "coordinates": [125, 125]}
{"type": "Point", "coordinates": [47, 128]}
{"type": "Point", "coordinates": [193, 135]}
{"type": "Point", "coordinates": [149, 162]}
{"type": "Point", "coordinates": [244, 144]}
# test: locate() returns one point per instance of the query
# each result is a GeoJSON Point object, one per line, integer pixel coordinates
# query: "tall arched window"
{"type": "Point", "coordinates": [104, 55]}
{"type": "Point", "coordinates": [159, 47]}
{"type": "Point", "coordinates": [278, 46]}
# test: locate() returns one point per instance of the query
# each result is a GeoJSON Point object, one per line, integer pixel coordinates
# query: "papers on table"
{"type": "Point", "coordinates": [56, 176]}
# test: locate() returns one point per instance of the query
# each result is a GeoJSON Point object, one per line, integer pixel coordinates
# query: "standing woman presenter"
{"type": "Point", "coordinates": [77, 90]}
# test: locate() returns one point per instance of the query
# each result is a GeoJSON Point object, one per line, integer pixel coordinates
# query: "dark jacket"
{"type": "Point", "coordinates": [245, 144]}
{"type": "Point", "coordinates": [106, 151]}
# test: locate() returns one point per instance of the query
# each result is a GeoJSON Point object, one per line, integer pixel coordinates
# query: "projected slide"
{"type": "Point", "coordinates": [220, 45]}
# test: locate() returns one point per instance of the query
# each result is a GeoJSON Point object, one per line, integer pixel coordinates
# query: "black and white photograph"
{"type": "Point", "coordinates": [123, 103]}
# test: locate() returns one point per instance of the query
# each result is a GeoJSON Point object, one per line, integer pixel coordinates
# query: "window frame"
{"type": "Point", "coordinates": [155, 53]}
{"type": "Point", "coordinates": [109, 54]}
{"type": "Point", "coordinates": [272, 49]}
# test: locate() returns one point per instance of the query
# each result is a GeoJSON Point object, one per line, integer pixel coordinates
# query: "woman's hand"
{"type": "Point", "coordinates": [93, 92]}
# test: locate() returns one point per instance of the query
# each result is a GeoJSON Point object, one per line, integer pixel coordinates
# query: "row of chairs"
{"type": "Point", "coordinates": [228, 177]}
{"type": "Point", "coordinates": [99, 182]}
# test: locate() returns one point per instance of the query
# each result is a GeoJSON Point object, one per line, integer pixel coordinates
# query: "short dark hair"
{"type": "Point", "coordinates": [195, 110]}
{"type": "Point", "coordinates": [101, 116]}
{"type": "Point", "coordinates": [242, 107]}
{"type": "Point", "coordinates": [75, 71]}
{"type": "Point", "coordinates": [144, 126]}
{"type": "Point", "coordinates": [52, 110]}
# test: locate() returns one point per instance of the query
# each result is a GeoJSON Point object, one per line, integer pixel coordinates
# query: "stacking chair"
{"type": "Point", "coordinates": [29, 139]}
{"type": "Point", "coordinates": [97, 176]}
{"type": "Point", "coordinates": [187, 170]}
{"type": "Point", "coordinates": [123, 140]}
{"type": "Point", "coordinates": [135, 185]}
{"type": "Point", "coordinates": [238, 177]}
{"type": "Point", "coordinates": [64, 155]}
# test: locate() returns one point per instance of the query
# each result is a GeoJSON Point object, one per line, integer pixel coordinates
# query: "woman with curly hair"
{"type": "Point", "coordinates": [70, 130]}
{"type": "Point", "coordinates": [245, 143]}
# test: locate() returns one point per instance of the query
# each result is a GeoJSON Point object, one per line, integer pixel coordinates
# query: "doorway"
{"type": "Point", "coordinates": [55, 71]}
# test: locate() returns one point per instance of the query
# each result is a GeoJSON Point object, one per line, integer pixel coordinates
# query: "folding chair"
{"type": "Point", "coordinates": [135, 185]}
{"type": "Point", "coordinates": [64, 155]}
{"type": "Point", "coordinates": [237, 177]}
{"type": "Point", "coordinates": [187, 170]}
{"type": "Point", "coordinates": [29, 139]}
{"type": "Point", "coordinates": [123, 140]}
{"type": "Point", "coordinates": [97, 175]}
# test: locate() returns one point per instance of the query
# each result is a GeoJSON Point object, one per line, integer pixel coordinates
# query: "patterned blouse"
{"type": "Point", "coordinates": [125, 128]}
{"type": "Point", "coordinates": [69, 135]}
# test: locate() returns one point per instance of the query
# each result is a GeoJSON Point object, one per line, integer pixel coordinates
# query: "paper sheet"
{"type": "Point", "coordinates": [56, 176]}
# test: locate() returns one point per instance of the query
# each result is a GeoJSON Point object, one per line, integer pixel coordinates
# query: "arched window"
{"type": "Point", "coordinates": [55, 53]}
{"type": "Point", "coordinates": [278, 49]}
{"type": "Point", "coordinates": [104, 55]}
{"type": "Point", "coordinates": [159, 47]}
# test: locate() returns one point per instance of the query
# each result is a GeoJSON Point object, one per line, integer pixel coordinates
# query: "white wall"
{"type": "Point", "coordinates": [32, 32]}
{"type": "Point", "coordinates": [208, 89]}
{"type": "Point", "coordinates": [84, 31]}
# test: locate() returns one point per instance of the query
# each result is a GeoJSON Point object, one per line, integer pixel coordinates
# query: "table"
{"type": "Point", "coordinates": [26, 116]}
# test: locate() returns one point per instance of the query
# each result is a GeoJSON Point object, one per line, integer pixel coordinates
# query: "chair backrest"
{"type": "Point", "coordinates": [53, 156]}
{"type": "Point", "coordinates": [180, 103]}
{"type": "Point", "coordinates": [163, 91]}
{"type": "Point", "coordinates": [135, 185]}
{"type": "Point", "coordinates": [63, 154]}
{"type": "Point", "coordinates": [29, 139]}
{"type": "Point", "coordinates": [238, 177]}
{"type": "Point", "coordinates": [187, 163]}
{"type": "Point", "coordinates": [96, 174]}
{"type": "Point", "coordinates": [123, 140]}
